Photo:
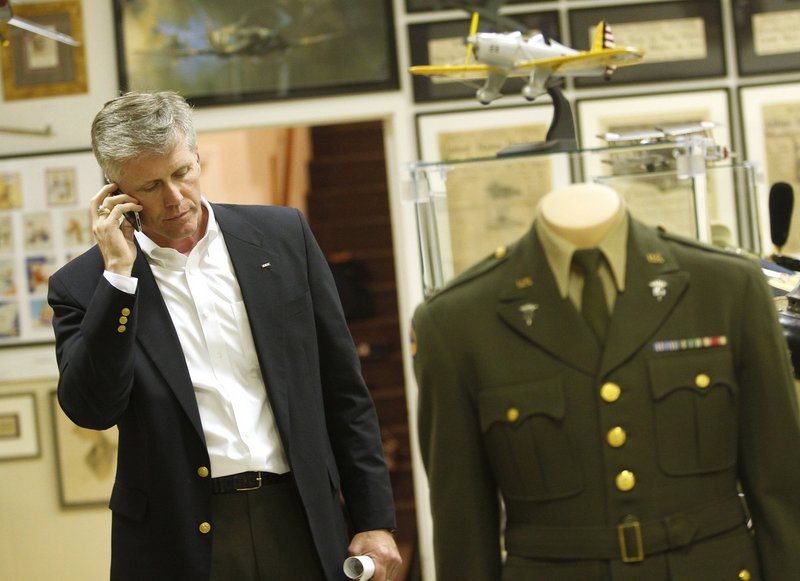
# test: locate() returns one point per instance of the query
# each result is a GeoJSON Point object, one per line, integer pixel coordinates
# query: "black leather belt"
{"type": "Point", "coordinates": [245, 481]}
{"type": "Point", "coordinates": [631, 540]}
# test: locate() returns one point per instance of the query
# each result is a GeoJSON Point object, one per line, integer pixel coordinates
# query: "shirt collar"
{"type": "Point", "coordinates": [169, 257]}
{"type": "Point", "coordinates": [558, 252]}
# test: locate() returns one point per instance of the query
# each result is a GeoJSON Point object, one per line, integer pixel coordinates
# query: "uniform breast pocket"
{"type": "Point", "coordinates": [695, 411]}
{"type": "Point", "coordinates": [531, 454]}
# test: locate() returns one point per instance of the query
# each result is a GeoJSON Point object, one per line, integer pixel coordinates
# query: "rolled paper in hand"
{"type": "Point", "coordinates": [360, 567]}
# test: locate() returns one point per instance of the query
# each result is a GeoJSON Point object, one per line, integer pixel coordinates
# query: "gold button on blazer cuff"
{"type": "Point", "coordinates": [204, 528]}
{"type": "Point", "coordinates": [125, 312]}
{"type": "Point", "coordinates": [121, 329]}
{"type": "Point", "coordinates": [203, 472]}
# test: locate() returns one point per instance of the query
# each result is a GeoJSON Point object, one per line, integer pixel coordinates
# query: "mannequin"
{"type": "Point", "coordinates": [582, 213]}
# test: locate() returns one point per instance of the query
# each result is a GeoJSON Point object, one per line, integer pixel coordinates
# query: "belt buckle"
{"type": "Point", "coordinates": [634, 528]}
{"type": "Point", "coordinates": [246, 488]}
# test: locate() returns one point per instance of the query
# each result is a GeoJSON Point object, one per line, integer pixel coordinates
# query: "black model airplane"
{"type": "Point", "coordinates": [7, 17]}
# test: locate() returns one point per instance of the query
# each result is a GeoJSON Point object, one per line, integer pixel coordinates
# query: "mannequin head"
{"type": "Point", "coordinates": [581, 213]}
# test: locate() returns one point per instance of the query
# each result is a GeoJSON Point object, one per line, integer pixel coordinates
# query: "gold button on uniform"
{"type": "Point", "coordinates": [125, 312]}
{"type": "Point", "coordinates": [616, 437]}
{"type": "Point", "coordinates": [204, 528]}
{"type": "Point", "coordinates": [702, 380]}
{"type": "Point", "coordinates": [121, 329]}
{"type": "Point", "coordinates": [744, 575]}
{"type": "Point", "coordinates": [500, 252]}
{"type": "Point", "coordinates": [625, 481]}
{"type": "Point", "coordinates": [610, 392]}
{"type": "Point", "coordinates": [512, 415]}
{"type": "Point", "coordinates": [202, 472]}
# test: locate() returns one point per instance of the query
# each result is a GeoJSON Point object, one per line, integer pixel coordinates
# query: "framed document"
{"type": "Point", "coordinates": [767, 39]}
{"type": "Point", "coordinates": [444, 42]}
{"type": "Point", "coordinates": [44, 222]}
{"type": "Point", "coordinates": [36, 66]}
{"type": "Point", "coordinates": [19, 436]}
{"type": "Point", "coordinates": [487, 202]}
{"type": "Point", "coordinates": [658, 194]}
{"type": "Point", "coordinates": [215, 53]}
{"type": "Point", "coordinates": [771, 125]}
{"type": "Point", "coordinates": [681, 40]}
{"type": "Point", "coordinates": [429, 5]}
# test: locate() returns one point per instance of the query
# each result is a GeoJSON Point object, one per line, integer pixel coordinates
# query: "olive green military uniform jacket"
{"type": "Point", "coordinates": [620, 462]}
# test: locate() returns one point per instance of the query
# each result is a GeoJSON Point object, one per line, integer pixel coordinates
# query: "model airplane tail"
{"type": "Point", "coordinates": [604, 39]}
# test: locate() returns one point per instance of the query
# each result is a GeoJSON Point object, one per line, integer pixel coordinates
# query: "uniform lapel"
{"type": "Point", "coordinates": [530, 304]}
{"type": "Point", "coordinates": [654, 284]}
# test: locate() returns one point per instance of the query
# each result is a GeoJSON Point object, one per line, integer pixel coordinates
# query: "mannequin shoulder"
{"type": "Point", "coordinates": [475, 274]}
{"type": "Point", "coordinates": [691, 249]}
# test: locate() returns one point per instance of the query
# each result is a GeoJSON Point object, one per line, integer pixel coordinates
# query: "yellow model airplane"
{"type": "Point", "coordinates": [497, 56]}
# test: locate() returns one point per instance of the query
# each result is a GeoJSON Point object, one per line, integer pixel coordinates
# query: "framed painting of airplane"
{"type": "Point", "coordinates": [680, 40]}
{"type": "Point", "coordinates": [35, 66]}
{"type": "Point", "coordinates": [226, 52]}
{"type": "Point", "coordinates": [766, 35]}
{"type": "Point", "coordinates": [444, 42]}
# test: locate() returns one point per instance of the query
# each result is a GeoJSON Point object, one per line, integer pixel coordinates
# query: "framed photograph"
{"type": "Point", "coordinates": [227, 52]}
{"type": "Point", "coordinates": [766, 35]}
{"type": "Point", "coordinates": [681, 40]}
{"type": "Point", "coordinates": [771, 125]}
{"type": "Point", "coordinates": [444, 42]}
{"type": "Point", "coordinates": [429, 5]}
{"type": "Point", "coordinates": [36, 66]}
{"type": "Point", "coordinates": [485, 202]}
{"type": "Point", "coordinates": [86, 460]}
{"type": "Point", "coordinates": [657, 193]}
{"type": "Point", "coordinates": [19, 434]}
{"type": "Point", "coordinates": [45, 221]}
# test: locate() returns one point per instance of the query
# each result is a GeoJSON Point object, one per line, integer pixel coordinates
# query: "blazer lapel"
{"type": "Point", "coordinates": [157, 336]}
{"type": "Point", "coordinates": [259, 272]}
{"type": "Point", "coordinates": [654, 285]}
{"type": "Point", "coordinates": [530, 304]}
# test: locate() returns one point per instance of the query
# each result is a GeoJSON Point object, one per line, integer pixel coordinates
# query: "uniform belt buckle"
{"type": "Point", "coordinates": [246, 488]}
{"type": "Point", "coordinates": [625, 530]}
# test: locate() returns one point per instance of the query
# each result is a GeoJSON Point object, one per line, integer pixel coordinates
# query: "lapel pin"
{"type": "Point", "coordinates": [266, 265]}
{"type": "Point", "coordinates": [655, 258]}
{"type": "Point", "coordinates": [527, 310]}
{"type": "Point", "coordinates": [659, 288]}
{"type": "Point", "coordinates": [524, 282]}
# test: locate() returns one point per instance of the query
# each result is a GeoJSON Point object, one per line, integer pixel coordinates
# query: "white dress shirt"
{"type": "Point", "coordinates": [205, 303]}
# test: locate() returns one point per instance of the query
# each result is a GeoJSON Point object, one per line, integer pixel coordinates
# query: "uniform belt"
{"type": "Point", "coordinates": [245, 481]}
{"type": "Point", "coordinates": [631, 540]}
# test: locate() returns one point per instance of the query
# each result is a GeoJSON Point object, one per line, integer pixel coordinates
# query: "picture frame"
{"type": "Point", "coordinates": [86, 460]}
{"type": "Point", "coordinates": [481, 202]}
{"type": "Point", "coordinates": [770, 117]}
{"type": "Point", "coordinates": [661, 198]}
{"type": "Point", "coordinates": [681, 40]}
{"type": "Point", "coordinates": [766, 35]}
{"type": "Point", "coordinates": [433, 5]}
{"type": "Point", "coordinates": [19, 431]}
{"type": "Point", "coordinates": [220, 53]}
{"type": "Point", "coordinates": [443, 42]}
{"type": "Point", "coordinates": [35, 66]}
{"type": "Point", "coordinates": [45, 221]}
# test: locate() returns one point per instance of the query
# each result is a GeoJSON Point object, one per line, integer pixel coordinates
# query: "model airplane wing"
{"type": "Point", "coordinates": [608, 57]}
{"type": "Point", "coordinates": [8, 17]}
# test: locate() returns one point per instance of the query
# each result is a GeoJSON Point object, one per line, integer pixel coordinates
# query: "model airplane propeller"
{"type": "Point", "coordinates": [7, 16]}
{"type": "Point", "coordinates": [497, 56]}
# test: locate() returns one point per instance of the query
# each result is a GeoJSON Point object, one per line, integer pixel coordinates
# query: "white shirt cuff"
{"type": "Point", "coordinates": [126, 284]}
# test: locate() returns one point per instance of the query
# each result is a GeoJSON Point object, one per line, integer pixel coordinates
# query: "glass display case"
{"type": "Point", "coordinates": [467, 208]}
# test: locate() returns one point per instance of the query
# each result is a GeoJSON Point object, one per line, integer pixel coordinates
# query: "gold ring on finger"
{"type": "Point", "coordinates": [103, 211]}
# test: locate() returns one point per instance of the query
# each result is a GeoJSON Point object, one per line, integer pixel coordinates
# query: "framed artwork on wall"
{"type": "Point", "coordinates": [215, 53]}
{"type": "Point", "coordinates": [766, 35]}
{"type": "Point", "coordinates": [771, 123]}
{"type": "Point", "coordinates": [488, 203]}
{"type": "Point", "coordinates": [45, 221]}
{"type": "Point", "coordinates": [86, 460]}
{"type": "Point", "coordinates": [491, 6]}
{"type": "Point", "coordinates": [19, 436]}
{"type": "Point", "coordinates": [659, 196]}
{"type": "Point", "coordinates": [444, 42]}
{"type": "Point", "coordinates": [35, 66]}
{"type": "Point", "coordinates": [681, 40]}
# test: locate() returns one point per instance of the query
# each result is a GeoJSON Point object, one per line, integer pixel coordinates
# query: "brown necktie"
{"type": "Point", "coordinates": [593, 300]}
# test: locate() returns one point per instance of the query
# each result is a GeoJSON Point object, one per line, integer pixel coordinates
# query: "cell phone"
{"type": "Point", "coordinates": [132, 217]}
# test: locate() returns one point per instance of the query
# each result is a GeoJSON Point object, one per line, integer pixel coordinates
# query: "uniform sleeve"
{"type": "Point", "coordinates": [463, 495]}
{"type": "Point", "coordinates": [769, 434]}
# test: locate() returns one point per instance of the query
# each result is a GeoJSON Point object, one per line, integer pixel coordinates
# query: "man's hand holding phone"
{"type": "Point", "coordinates": [114, 219]}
